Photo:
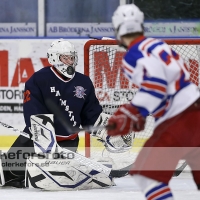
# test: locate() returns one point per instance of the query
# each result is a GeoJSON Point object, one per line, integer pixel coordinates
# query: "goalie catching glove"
{"type": "Point", "coordinates": [126, 119]}
{"type": "Point", "coordinates": [116, 144]}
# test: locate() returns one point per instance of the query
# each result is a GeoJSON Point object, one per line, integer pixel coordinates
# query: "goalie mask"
{"type": "Point", "coordinates": [127, 19]}
{"type": "Point", "coordinates": [63, 56]}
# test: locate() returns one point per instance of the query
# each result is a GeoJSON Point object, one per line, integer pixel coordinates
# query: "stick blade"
{"type": "Point", "coordinates": [179, 170]}
{"type": "Point", "coordinates": [118, 173]}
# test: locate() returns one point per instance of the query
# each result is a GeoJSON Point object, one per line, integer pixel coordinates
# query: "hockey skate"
{"type": "Point", "coordinates": [8, 178]}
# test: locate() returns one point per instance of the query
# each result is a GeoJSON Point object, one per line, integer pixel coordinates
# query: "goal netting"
{"type": "Point", "coordinates": [102, 61]}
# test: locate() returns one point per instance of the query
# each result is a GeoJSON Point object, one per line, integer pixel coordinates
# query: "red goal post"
{"type": "Point", "coordinates": [102, 61]}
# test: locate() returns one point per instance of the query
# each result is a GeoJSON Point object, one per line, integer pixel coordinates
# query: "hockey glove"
{"type": "Point", "coordinates": [126, 119]}
{"type": "Point", "coordinates": [115, 144]}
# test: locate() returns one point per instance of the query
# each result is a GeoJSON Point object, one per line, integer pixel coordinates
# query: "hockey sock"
{"type": "Point", "coordinates": [159, 192]}
{"type": "Point", "coordinates": [152, 189]}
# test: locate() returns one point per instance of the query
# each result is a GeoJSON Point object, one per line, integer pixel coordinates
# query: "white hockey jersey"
{"type": "Point", "coordinates": [162, 76]}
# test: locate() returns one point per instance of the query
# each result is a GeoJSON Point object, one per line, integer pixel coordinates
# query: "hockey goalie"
{"type": "Point", "coordinates": [52, 167]}
{"type": "Point", "coordinates": [74, 93]}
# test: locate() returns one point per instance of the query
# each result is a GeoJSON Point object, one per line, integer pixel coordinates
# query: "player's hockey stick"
{"type": "Point", "coordinates": [70, 129]}
{"type": "Point", "coordinates": [58, 113]}
{"type": "Point", "coordinates": [15, 130]}
{"type": "Point", "coordinates": [114, 173]}
{"type": "Point", "coordinates": [109, 172]}
{"type": "Point", "coordinates": [179, 170]}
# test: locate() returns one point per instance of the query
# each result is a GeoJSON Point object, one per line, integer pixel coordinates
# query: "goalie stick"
{"type": "Point", "coordinates": [109, 172]}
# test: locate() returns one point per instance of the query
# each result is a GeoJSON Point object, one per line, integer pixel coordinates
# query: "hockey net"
{"type": "Point", "coordinates": [102, 60]}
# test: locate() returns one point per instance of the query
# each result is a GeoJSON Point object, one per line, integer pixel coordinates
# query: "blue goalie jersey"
{"type": "Point", "coordinates": [76, 98]}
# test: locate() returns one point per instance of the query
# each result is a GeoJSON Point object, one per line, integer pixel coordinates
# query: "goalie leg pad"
{"type": "Point", "coordinates": [63, 174]}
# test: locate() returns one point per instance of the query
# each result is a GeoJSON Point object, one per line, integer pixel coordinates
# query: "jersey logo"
{"type": "Point", "coordinates": [79, 92]}
{"type": "Point", "coordinates": [27, 96]}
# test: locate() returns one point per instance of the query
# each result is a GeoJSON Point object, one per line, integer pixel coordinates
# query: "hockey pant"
{"type": "Point", "coordinates": [175, 139]}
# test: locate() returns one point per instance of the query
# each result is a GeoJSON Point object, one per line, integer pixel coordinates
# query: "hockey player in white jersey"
{"type": "Point", "coordinates": [165, 91]}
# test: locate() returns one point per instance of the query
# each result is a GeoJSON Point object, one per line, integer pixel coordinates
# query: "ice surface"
{"type": "Point", "coordinates": [182, 186]}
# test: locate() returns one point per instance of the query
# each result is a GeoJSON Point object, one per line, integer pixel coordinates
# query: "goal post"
{"type": "Point", "coordinates": [102, 61]}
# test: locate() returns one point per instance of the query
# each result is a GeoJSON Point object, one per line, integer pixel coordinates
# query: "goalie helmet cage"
{"type": "Point", "coordinates": [102, 60]}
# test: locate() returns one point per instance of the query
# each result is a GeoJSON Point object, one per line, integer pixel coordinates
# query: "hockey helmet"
{"type": "Point", "coordinates": [63, 56]}
{"type": "Point", "coordinates": [127, 19]}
